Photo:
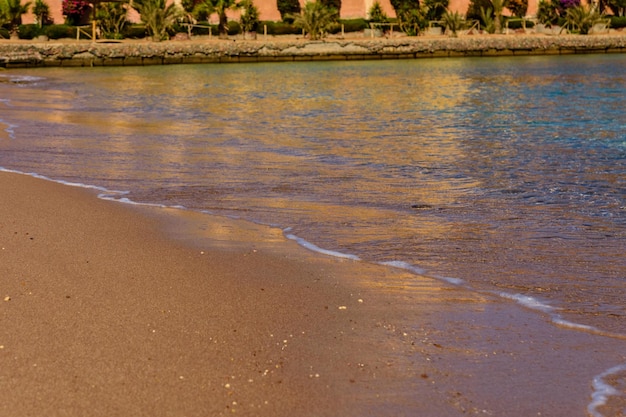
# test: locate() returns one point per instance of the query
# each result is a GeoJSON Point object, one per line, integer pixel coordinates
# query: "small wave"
{"type": "Point", "coordinates": [10, 129]}
{"type": "Point", "coordinates": [405, 265]}
{"type": "Point", "coordinates": [315, 248]}
{"type": "Point", "coordinates": [556, 319]}
{"type": "Point", "coordinates": [527, 301]}
{"type": "Point", "coordinates": [20, 79]}
{"type": "Point", "coordinates": [602, 390]}
{"type": "Point", "coordinates": [106, 193]}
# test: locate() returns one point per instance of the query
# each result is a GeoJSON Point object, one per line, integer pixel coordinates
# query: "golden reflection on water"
{"type": "Point", "coordinates": [396, 156]}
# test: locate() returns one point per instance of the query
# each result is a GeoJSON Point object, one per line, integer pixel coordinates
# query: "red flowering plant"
{"type": "Point", "coordinates": [75, 10]}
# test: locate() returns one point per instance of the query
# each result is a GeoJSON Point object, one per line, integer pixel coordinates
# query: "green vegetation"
{"type": "Point", "coordinates": [111, 19]}
{"type": "Point", "coordinates": [60, 31]}
{"type": "Point", "coordinates": [618, 22]}
{"type": "Point", "coordinates": [219, 7]}
{"type": "Point", "coordinates": [249, 16]}
{"type": "Point", "coordinates": [352, 25]}
{"type": "Point", "coordinates": [488, 12]}
{"type": "Point", "coordinates": [158, 16]}
{"type": "Point", "coordinates": [411, 16]}
{"type": "Point", "coordinates": [453, 22]}
{"type": "Point", "coordinates": [316, 19]}
{"type": "Point", "coordinates": [41, 10]}
{"type": "Point", "coordinates": [288, 9]}
{"type": "Point", "coordinates": [435, 9]}
{"type": "Point", "coordinates": [582, 18]}
{"type": "Point", "coordinates": [11, 12]}
{"type": "Point", "coordinates": [547, 12]}
{"type": "Point", "coordinates": [376, 14]}
{"type": "Point", "coordinates": [518, 7]}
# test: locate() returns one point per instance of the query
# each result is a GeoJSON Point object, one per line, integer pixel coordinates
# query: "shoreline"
{"type": "Point", "coordinates": [202, 50]}
{"type": "Point", "coordinates": [115, 309]}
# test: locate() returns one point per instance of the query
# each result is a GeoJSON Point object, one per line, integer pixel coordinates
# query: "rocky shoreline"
{"type": "Point", "coordinates": [21, 54]}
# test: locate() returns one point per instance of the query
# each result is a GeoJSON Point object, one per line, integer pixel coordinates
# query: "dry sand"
{"type": "Point", "coordinates": [108, 309]}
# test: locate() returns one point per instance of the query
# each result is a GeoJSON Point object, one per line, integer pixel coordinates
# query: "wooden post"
{"type": "Point", "coordinates": [264, 31]}
{"type": "Point", "coordinates": [93, 22]}
{"type": "Point", "coordinates": [342, 31]}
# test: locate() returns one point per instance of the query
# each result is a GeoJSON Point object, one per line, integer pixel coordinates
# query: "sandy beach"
{"type": "Point", "coordinates": [111, 309]}
{"type": "Point", "coordinates": [104, 315]}
{"type": "Point", "coordinates": [107, 311]}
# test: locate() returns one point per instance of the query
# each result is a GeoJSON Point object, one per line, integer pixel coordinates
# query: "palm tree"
{"type": "Point", "coordinates": [583, 17]}
{"type": "Point", "coordinates": [498, 6]}
{"type": "Point", "coordinates": [316, 19]}
{"type": "Point", "coordinates": [249, 16]}
{"type": "Point", "coordinates": [158, 16]}
{"type": "Point", "coordinates": [13, 11]}
{"type": "Point", "coordinates": [42, 11]}
{"type": "Point", "coordinates": [111, 19]}
{"type": "Point", "coordinates": [220, 7]}
{"type": "Point", "coordinates": [454, 22]}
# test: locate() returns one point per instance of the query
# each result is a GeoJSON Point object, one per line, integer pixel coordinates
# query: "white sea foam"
{"type": "Point", "coordinates": [315, 248]}
{"type": "Point", "coordinates": [574, 326]}
{"type": "Point", "coordinates": [21, 79]}
{"type": "Point", "coordinates": [559, 321]}
{"type": "Point", "coordinates": [405, 265]}
{"type": "Point", "coordinates": [10, 129]}
{"type": "Point", "coordinates": [106, 193]}
{"type": "Point", "coordinates": [603, 390]}
{"type": "Point", "coordinates": [451, 280]}
{"type": "Point", "coordinates": [527, 301]}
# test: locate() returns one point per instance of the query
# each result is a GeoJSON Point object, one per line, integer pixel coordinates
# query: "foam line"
{"type": "Point", "coordinates": [316, 248]}
{"type": "Point", "coordinates": [404, 265]}
{"type": "Point", "coordinates": [527, 301]}
{"type": "Point", "coordinates": [603, 390]}
{"type": "Point", "coordinates": [106, 192]}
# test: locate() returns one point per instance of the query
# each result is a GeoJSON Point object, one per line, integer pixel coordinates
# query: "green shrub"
{"type": "Point", "coordinates": [29, 31]}
{"type": "Point", "coordinates": [4, 33]}
{"type": "Point", "coordinates": [279, 28]}
{"type": "Point", "coordinates": [234, 28]}
{"type": "Point", "coordinates": [288, 9]}
{"type": "Point", "coordinates": [204, 30]}
{"type": "Point", "coordinates": [376, 14]}
{"type": "Point", "coordinates": [582, 18]}
{"type": "Point", "coordinates": [618, 22]}
{"type": "Point", "coordinates": [518, 24]}
{"type": "Point", "coordinates": [134, 32]}
{"type": "Point", "coordinates": [60, 31]}
{"type": "Point", "coordinates": [354, 25]}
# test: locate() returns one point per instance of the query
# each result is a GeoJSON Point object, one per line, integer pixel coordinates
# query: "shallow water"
{"type": "Point", "coordinates": [506, 176]}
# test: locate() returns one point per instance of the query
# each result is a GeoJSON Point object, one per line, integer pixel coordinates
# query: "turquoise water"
{"type": "Point", "coordinates": [505, 176]}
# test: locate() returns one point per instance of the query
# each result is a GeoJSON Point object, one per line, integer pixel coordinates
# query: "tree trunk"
{"type": "Point", "coordinates": [223, 28]}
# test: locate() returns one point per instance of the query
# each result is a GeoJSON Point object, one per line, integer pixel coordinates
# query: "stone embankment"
{"type": "Point", "coordinates": [20, 54]}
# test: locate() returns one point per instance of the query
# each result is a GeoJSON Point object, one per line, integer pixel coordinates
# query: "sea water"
{"type": "Point", "coordinates": [503, 176]}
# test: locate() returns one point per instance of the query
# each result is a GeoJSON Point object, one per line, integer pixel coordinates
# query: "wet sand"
{"type": "Point", "coordinates": [109, 309]}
